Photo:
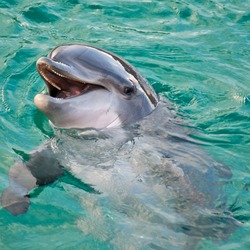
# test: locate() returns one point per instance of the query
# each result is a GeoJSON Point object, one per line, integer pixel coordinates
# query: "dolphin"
{"type": "Point", "coordinates": [151, 170]}
{"type": "Point", "coordinates": [92, 88]}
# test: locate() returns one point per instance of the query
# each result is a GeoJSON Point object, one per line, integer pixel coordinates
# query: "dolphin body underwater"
{"type": "Point", "coordinates": [113, 134]}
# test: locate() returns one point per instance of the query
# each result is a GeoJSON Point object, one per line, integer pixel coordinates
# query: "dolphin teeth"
{"type": "Point", "coordinates": [49, 81]}
{"type": "Point", "coordinates": [57, 73]}
{"type": "Point", "coordinates": [54, 85]}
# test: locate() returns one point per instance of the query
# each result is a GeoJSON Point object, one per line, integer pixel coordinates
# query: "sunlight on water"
{"type": "Point", "coordinates": [195, 53]}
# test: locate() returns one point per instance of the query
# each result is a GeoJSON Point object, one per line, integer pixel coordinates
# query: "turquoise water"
{"type": "Point", "coordinates": [196, 53]}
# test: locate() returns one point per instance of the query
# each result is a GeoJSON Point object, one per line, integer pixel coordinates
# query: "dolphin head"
{"type": "Point", "coordinates": [92, 88]}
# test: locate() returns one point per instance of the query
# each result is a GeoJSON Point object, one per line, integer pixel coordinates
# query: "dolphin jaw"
{"type": "Point", "coordinates": [41, 101]}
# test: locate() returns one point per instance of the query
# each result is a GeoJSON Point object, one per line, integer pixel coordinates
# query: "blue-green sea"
{"type": "Point", "coordinates": [194, 52]}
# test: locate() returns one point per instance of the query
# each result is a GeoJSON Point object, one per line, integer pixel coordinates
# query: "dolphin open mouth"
{"type": "Point", "coordinates": [62, 80]}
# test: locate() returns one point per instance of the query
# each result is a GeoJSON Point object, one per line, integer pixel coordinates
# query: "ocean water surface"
{"type": "Point", "coordinates": [195, 53]}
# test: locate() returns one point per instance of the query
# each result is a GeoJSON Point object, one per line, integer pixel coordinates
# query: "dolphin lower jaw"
{"type": "Point", "coordinates": [97, 109]}
{"type": "Point", "coordinates": [41, 102]}
{"type": "Point", "coordinates": [53, 108]}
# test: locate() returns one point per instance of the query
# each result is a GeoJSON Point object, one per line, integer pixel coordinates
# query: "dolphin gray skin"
{"type": "Point", "coordinates": [91, 88]}
{"type": "Point", "coordinates": [154, 179]}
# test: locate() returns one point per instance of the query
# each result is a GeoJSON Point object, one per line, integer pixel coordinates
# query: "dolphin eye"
{"type": "Point", "coordinates": [129, 90]}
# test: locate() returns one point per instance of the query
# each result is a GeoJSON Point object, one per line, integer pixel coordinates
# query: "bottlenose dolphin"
{"type": "Point", "coordinates": [116, 136]}
{"type": "Point", "coordinates": [87, 87]}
